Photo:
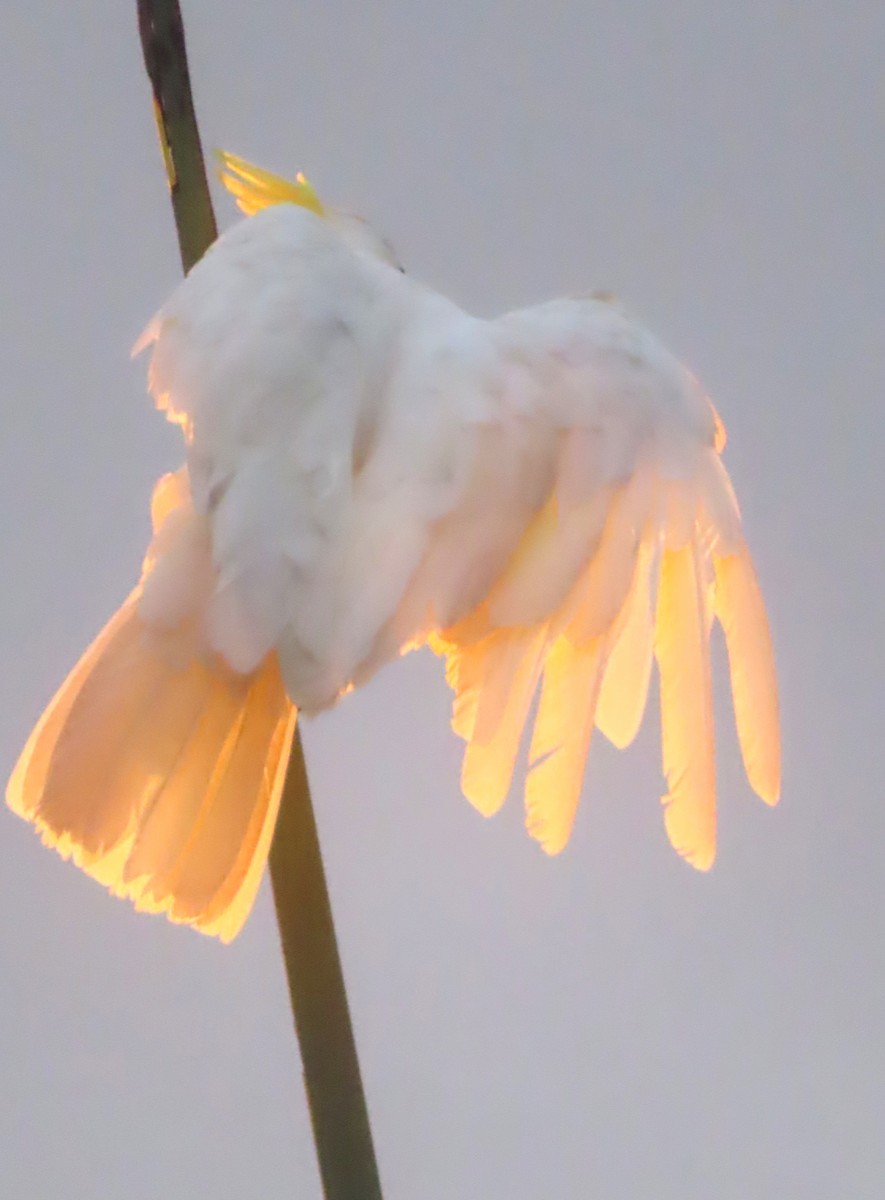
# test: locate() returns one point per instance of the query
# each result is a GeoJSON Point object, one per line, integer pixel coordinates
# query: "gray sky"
{"type": "Point", "coordinates": [608, 1024]}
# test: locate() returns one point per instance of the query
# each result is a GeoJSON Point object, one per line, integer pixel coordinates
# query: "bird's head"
{"type": "Point", "coordinates": [254, 189]}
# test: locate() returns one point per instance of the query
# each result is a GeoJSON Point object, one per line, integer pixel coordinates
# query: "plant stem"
{"type": "Point", "coordinates": [165, 57]}
{"type": "Point", "coordinates": [310, 951]}
{"type": "Point", "coordinates": [319, 1001]}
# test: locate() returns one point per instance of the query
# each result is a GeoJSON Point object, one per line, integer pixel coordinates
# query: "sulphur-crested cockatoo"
{"type": "Point", "coordinates": [538, 498]}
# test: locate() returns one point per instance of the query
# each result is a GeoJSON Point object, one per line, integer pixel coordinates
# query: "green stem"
{"type": "Point", "coordinates": [319, 1001]}
{"type": "Point", "coordinates": [165, 57]}
{"type": "Point", "coordinates": [310, 951]}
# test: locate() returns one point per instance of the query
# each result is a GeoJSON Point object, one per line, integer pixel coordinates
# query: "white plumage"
{"type": "Point", "coordinates": [539, 498]}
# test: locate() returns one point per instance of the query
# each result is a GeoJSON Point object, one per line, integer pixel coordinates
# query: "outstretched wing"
{"type": "Point", "coordinates": [631, 547]}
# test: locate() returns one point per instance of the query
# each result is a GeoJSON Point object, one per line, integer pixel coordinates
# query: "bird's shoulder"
{"type": "Point", "coordinates": [594, 361]}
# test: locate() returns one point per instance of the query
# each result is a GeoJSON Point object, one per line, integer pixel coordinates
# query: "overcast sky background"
{"type": "Point", "coordinates": [609, 1025]}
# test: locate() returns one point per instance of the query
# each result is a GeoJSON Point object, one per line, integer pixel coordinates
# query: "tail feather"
{"type": "Point", "coordinates": [232, 905]}
{"type": "Point", "coordinates": [170, 820]}
{"type": "Point", "coordinates": [124, 726]}
{"type": "Point", "coordinates": [161, 782]}
{"type": "Point", "coordinates": [219, 849]}
{"type": "Point", "coordinates": [27, 783]}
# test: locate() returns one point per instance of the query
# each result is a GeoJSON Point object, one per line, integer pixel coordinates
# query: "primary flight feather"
{"type": "Point", "coordinates": [539, 498]}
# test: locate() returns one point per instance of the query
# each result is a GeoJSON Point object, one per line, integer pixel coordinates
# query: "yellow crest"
{"type": "Point", "coordinates": [254, 188]}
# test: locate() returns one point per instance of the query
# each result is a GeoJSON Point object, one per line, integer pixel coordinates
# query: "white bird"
{"type": "Point", "coordinates": [539, 498]}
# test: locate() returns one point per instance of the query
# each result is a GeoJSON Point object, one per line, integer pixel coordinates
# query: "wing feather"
{"type": "Point", "coordinates": [683, 654]}
{"type": "Point", "coordinates": [624, 690]}
{"type": "Point", "coordinates": [561, 740]}
{"type": "Point", "coordinates": [600, 592]}
{"type": "Point", "coordinates": [741, 612]}
{"type": "Point", "coordinates": [512, 663]}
